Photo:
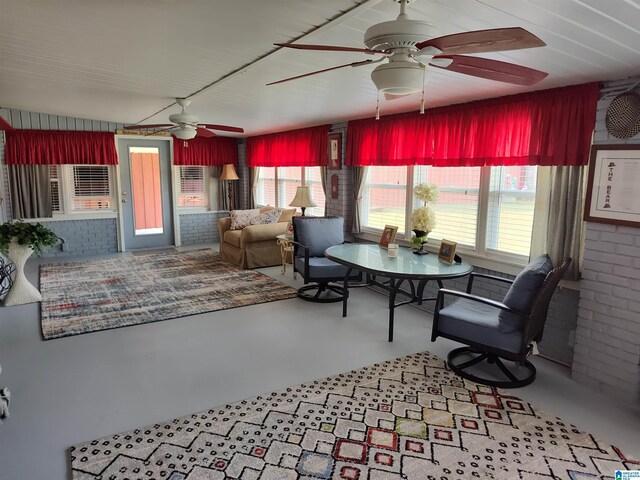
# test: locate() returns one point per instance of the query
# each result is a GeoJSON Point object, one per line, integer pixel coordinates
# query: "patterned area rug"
{"type": "Point", "coordinates": [409, 419]}
{"type": "Point", "coordinates": [82, 297]}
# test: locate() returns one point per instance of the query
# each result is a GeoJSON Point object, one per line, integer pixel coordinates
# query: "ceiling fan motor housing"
{"type": "Point", "coordinates": [183, 118]}
{"type": "Point", "coordinates": [400, 33]}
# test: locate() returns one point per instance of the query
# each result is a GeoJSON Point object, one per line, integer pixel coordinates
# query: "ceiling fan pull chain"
{"type": "Point", "coordinates": [378, 106]}
{"type": "Point", "coordinates": [424, 79]}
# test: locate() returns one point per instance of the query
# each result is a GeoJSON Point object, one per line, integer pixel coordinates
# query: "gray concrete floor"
{"type": "Point", "coordinates": [84, 387]}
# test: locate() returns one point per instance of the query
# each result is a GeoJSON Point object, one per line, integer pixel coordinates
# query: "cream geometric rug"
{"type": "Point", "coordinates": [82, 297]}
{"type": "Point", "coordinates": [406, 419]}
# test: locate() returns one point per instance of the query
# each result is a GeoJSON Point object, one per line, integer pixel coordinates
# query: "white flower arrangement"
{"type": "Point", "coordinates": [423, 219]}
{"type": "Point", "coordinates": [426, 192]}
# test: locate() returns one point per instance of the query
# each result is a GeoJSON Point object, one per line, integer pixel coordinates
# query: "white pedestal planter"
{"type": "Point", "coordinates": [22, 291]}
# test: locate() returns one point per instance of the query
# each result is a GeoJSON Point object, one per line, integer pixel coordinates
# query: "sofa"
{"type": "Point", "coordinates": [254, 245]}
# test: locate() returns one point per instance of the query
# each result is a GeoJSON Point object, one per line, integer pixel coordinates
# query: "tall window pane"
{"type": "Point", "coordinates": [266, 187]}
{"type": "Point", "coordinates": [289, 179]}
{"type": "Point", "coordinates": [313, 181]}
{"type": "Point", "coordinates": [512, 194]}
{"type": "Point", "coordinates": [457, 206]}
{"type": "Point", "coordinates": [54, 177]}
{"type": "Point", "coordinates": [384, 198]}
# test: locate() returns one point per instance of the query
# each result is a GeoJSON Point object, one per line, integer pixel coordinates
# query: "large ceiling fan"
{"type": "Point", "coordinates": [185, 125]}
{"type": "Point", "coordinates": [405, 43]}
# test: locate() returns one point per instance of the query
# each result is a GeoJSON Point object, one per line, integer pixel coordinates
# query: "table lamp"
{"type": "Point", "coordinates": [302, 199]}
{"type": "Point", "coordinates": [229, 174]}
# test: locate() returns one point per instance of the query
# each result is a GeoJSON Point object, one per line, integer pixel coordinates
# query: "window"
{"type": "Point", "coordinates": [277, 186]}
{"type": "Point", "coordinates": [193, 186]}
{"type": "Point", "coordinates": [385, 197]}
{"type": "Point", "coordinates": [512, 197]}
{"type": "Point", "coordinates": [81, 188]}
{"type": "Point", "coordinates": [488, 210]}
{"type": "Point", "coordinates": [457, 206]}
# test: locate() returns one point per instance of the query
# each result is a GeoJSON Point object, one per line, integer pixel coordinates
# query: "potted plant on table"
{"type": "Point", "coordinates": [423, 219]}
{"type": "Point", "coordinates": [18, 240]}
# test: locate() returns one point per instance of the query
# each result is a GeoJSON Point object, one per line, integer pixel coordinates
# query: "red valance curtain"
{"type": "Point", "coordinates": [306, 147]}
{"type": "Point", "coordinates": [549, 127]}
{"type": "Point", "coordinates": [205, 151]}
{"type": "Point", "coordinates": [56, 147]}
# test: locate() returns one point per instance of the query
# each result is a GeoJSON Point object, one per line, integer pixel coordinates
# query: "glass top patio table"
{"type": "Point", "coordinates": [407, 266]}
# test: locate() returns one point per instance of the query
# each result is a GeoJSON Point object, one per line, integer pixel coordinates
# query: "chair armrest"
{"type": "Point", "coordinates": [224, 224]}
{"type": "Point", "coordinates": [258, 233]}
{"type": "Point", "coordinates": [473, 275]}
{"type": "Point", "coordinates": [487, 301]}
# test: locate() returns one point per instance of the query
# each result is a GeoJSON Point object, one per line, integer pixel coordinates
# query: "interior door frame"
{"type": "Point", "coordinates": [173, 181]}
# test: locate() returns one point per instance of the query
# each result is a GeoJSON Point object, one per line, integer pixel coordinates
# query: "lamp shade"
{"type": "Point", "coordinates": [302, 199]}
{"type": "Point", "coordinates": [229, 172]}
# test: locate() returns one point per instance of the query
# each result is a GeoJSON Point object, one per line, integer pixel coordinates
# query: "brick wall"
{"type": "Point", "coordinates": [83, 237]}
{"type": "Point", "coordinates": [607, 349]}
{"type": "Point", "coordinates": [200, 228]}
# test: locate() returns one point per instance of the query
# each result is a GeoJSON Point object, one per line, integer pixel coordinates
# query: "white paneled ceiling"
{"type": "Point", "coordinates": [125, 60]}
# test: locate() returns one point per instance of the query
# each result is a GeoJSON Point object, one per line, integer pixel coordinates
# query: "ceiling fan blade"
{"type": "Point", "coordinates": [388, 96]}
{"type": "Point", "coordinates": [354, 64]}
{"type": "Point", "coordinates": [4, 125]}
{"type": "Point", "coordinates": [493, 69]}
{"type": "Point", "coordinates": [203, 132]}
{"type": "Point", "coordinates": [484, 41]}
{"type": "Point", "coordinates": [143, 127]}
{"type": "Point", "coordinates": [224, 128]}
{"type": "Point", "coordinates": [333, 48]}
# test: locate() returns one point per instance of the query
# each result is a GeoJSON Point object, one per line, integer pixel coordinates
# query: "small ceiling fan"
{"type": "Point", "coordinates": [185, 125]}
{"type": "Point", "coordinates": [409, 50]}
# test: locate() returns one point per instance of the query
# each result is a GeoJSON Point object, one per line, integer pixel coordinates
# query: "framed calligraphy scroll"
{"type": "Point", "coordinates": [612, 190]}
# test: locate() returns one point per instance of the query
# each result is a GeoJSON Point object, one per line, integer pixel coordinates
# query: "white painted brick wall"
{"type": "Point", "coordinates": [607, 349]}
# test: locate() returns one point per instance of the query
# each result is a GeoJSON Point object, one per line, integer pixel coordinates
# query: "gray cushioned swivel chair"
{"type": "Point", "coordinates": [496, 330]}
{"type": "Point", "coordinates": [312, 236]}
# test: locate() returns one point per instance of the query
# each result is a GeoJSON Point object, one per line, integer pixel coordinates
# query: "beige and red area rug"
{"type": "Point", "coordinates": [406, 419]}
{"type": "Point", "coordinates": [82, 297]}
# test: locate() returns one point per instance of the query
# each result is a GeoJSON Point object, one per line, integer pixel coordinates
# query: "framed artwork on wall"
{"type": "Point", "coordinates": [335, 151]}
{"type": "Point", "coordinates": [614, 176]}
{"type": "Point", "coordinates": [334, 185]}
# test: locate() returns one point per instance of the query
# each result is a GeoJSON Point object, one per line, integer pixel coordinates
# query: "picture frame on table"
{"type": "Point", "coordinates": [388, 235]}
{"type": "Point", "coordinates": [614, 173]}
{"type": "Point", "coordinates": [334, 159]}
{"type": "Point", "coordinates": [447, 251]}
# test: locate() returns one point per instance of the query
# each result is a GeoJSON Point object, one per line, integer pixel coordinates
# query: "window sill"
{"type": "Point", "coordinates": [75, 216]}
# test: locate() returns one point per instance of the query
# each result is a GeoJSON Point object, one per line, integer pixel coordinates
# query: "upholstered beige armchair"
{"type": "Point", "coordinates": [255, 245]}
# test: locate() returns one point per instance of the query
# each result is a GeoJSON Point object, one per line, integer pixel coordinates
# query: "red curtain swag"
{"type": "Point", "coordinates": [549, 127]}
{"type": "Point", "coordinates": [306, 147]}
{"type": "Point", "coordinates": [55, 147]}
{"type": "Point", "coordinates": [205, 151]}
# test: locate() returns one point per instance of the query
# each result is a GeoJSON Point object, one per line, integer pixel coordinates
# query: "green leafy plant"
{"type": "Point", "coordinates": [34, 235]}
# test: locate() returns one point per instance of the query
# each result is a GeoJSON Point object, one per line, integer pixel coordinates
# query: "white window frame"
{"type": "Point", "coordinates": [66, 195]}
{"type": "Point", "coordinates": [279, 185]}
{"type": "Point", "coordinates": [478, 250]}
{"type": "Point", "coordinates": [206, 177]}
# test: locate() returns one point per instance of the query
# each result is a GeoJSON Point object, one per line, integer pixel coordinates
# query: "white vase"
{"type": "Point", "coordinates": [22, 291]}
